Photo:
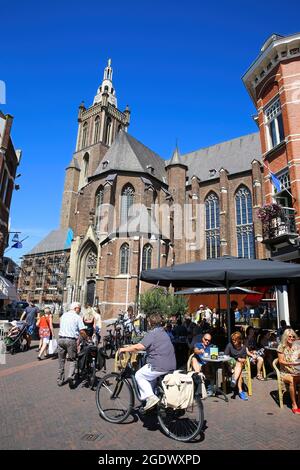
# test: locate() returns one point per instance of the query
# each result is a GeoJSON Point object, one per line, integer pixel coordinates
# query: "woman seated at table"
{"type": "Point", "coordinates": [255, 354]}
{"type": "Point", "coordinates": [198, 361]}
{"type": "Point", "coordinates": [288, 358]}
{"type": "Point", "coordinates": [238, 353]}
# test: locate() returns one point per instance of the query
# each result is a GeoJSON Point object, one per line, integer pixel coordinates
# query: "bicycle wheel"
{"type": "Point", "coordinates": [114, 398]}
{"type": "Point", "coordinates": [181, 425]}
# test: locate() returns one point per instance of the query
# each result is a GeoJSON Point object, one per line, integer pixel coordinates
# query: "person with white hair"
{"type": "Point", "coordinates": [71, 327]}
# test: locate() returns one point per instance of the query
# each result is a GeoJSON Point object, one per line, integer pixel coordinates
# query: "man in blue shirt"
{"type": "Point", "coordinates": [199, 364]}
{"type": "Point", "coordinates": [29, 315]}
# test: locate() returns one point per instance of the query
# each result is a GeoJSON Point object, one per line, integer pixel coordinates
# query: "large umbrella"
{"type": "Point", "coordinates": [227, 272]}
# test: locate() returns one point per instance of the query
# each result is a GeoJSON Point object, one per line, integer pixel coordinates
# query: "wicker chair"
{"type": "Point", "coordinates": [246, 374]}
{"type": "Point", "coordinates": [282, 387]}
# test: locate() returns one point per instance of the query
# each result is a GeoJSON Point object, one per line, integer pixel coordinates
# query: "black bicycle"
{"type": "Point", "coordinates": [116, 393]}
{"type": "Point", "coordinates": [87, 363]}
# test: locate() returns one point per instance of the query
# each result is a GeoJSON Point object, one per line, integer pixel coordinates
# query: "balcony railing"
{"type": "Point", "coordinates": [283, 225]}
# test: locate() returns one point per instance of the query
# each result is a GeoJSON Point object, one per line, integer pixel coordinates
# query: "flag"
{"type": "Point", "coordinates": [17, 245]}
{"type": "Point", "coordinates": [276, 182]}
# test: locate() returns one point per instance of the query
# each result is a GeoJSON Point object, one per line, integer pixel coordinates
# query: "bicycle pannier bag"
{"type": "Point", "coordinates": [178, 390]}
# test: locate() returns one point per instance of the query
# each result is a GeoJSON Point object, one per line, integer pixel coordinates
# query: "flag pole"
{"type": "Point", "coordinates": [284, 189]}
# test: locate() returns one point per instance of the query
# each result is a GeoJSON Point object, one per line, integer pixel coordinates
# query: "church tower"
{"type": "Point", "coordinates": [98, 126]}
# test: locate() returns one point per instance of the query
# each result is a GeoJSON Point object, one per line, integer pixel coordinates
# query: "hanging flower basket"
{"type": "Point", "coordinates": [270, 211]}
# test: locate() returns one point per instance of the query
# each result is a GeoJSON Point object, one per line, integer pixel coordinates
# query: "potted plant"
{"type": "Point", "coordinates": [270, 211]}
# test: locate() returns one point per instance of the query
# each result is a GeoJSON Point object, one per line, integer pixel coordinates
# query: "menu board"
{"type": "Point", "coordinates": [214, 352]}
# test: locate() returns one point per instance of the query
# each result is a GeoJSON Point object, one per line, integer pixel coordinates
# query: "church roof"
{"type": "Point", "coordinates": [57, 240]}
{"type": "Point", "coordinates": [234, 155]}
{"type": "Point", "coordinates": [128, 154]}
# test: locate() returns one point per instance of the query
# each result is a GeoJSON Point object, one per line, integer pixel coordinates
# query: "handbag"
{"type": "Point", "coordinates": [52, 346]}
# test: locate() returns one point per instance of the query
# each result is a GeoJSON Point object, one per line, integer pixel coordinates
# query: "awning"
{"type": "Point", "coordinates": [215, 290]}
{"type": "Point", "coordinates": [7, 290]}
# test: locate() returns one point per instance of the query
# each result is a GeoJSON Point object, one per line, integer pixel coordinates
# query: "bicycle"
{"type": "Point", "coordinates": [86, 363]}
{"type": "Point", "coordinates": [115, 397]}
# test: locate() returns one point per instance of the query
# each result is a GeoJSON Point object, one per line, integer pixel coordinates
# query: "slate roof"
{"type": "Point", "coordinates": [234, 155]}
{"type": "Point", "coordinates": [54, 241]}
{"type": "Point", "coordinates": [128, 154]}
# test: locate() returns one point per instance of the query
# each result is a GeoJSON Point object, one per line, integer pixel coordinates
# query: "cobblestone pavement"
{"type": "Point", "coordinates": [36, 414]}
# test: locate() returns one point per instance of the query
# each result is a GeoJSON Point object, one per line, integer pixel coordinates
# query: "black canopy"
{"type": "Point", "coordinates": [227, 272]}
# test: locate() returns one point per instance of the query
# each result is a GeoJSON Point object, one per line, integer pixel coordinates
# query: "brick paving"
{"type": "Point", "coordinates": [36, 414]}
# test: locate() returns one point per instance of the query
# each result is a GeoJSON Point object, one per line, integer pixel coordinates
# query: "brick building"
{"type": "Point", "coordinates": [129, 209]}
{"type": "Point", "coordinates": [9, 161]}
{"type": "Point", "coordinates": [273, 82]}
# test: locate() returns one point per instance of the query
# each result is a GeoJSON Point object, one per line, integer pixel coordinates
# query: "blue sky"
{"type": "Point", "coordinates": [177, 64]}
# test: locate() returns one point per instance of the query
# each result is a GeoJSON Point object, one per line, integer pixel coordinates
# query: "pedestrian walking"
{"type": "Point", "coordinates": [71, 327]}
{"type": "Point", "coordinates": [29, 315]}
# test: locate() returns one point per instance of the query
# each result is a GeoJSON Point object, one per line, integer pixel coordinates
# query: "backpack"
{"type": "Point", "coordinates": [178, 390]}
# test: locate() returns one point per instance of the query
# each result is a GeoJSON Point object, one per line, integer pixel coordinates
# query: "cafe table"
{"type": "Point", "coordinates": [215, 365]}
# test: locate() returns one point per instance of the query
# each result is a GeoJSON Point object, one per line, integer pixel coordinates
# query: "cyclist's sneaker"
{"type": "Point", "coordinates": [151, 402]}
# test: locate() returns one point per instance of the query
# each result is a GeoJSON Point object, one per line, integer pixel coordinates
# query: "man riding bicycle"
{"type": "Point", "coordinates": [160, 359]}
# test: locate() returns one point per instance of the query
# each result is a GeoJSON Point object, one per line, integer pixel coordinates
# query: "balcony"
{"type": "Point", "coordinates": [279, 227]}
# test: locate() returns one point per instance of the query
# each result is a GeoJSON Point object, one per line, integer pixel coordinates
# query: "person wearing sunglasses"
{"type": "Point", "coordinates": [288, 358]}
{"type": "Point", "coordinates": [198, 362]}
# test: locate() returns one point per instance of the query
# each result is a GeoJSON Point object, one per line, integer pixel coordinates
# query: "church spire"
{"type": "Point", "coordinates": [176, 159]}
{"type": "Point", "coordinates": [106, 87]}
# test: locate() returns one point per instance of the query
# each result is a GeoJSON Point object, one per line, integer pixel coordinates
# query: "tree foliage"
{"type": "Point", "coordinates": [160, 300]}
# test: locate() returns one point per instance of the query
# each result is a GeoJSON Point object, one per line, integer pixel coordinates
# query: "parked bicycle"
{"type": "Point", "coordinates": [115, 397]}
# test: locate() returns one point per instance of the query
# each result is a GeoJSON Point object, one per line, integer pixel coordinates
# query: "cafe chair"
{"type": "Point", "coordinates": [189, 363]}
{"type": "Point", "coordinates": [246, 374]}
{"type": "Point", "coordinates": [282, 387]}
{"type": "Point", "coordinates": [121, 360]}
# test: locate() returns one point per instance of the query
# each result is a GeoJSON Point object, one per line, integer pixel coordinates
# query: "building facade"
{"type": "Point", "coordinates": [9, 161]}
{"type": "Point", "coordinates": [273, 82]}
{"type": "Point", "coordinates": [129, 209]}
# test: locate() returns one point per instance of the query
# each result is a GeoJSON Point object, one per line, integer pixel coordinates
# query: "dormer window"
{"type": "Point", "coordinates": [150, 169]}
{"type": "Point", "coordinates": [104, 164]}
{"type": "Point", "coordinates": [212, 172]}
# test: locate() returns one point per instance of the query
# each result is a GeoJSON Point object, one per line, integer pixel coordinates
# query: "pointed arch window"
{"type": "Point", "coordinates": [108, 131]}
{"type": "Point", "coordinates": [98, 203]}
{"type": "Point", "coordinates": [127, 199]}
{"type": "Point", "coordinates": [212, 226]}
{"type": "Point", "coordinates": [84, 135]}
{"type": "Point", "coordinates": [244, 223]}
{"type": "Point", "coordinates": [86, 159]}
{"type": "Point", "coordinates": [97, 130]}
{"type": "Point", "coordinates": [147, 257]}
{"type": "Point", "coordinates": [124, 258]}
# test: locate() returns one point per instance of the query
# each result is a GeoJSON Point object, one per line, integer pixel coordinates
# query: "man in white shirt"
{"type": "Point", "coordinates": [71, 326]}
